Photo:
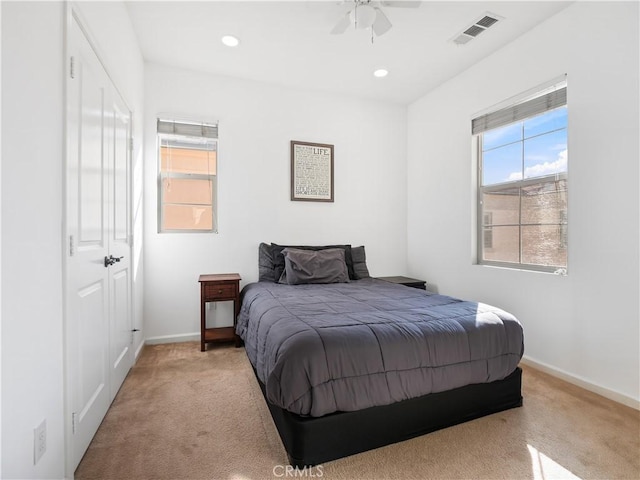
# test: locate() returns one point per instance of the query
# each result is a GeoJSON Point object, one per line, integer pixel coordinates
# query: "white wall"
{"type": "Point", "coordinates": [0, 240]}
{"type": "Point", "coordinates": [32, 372]}
{"type": "Point", "coordinates": [257, 122]}
{"type": "Point", "coordinates": [585, 325]}
{"type": "Point", "coordinates": [33, 69]}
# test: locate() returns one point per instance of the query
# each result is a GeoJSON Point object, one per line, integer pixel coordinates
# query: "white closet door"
{"type": "Point", "coordinates": [98, 292]}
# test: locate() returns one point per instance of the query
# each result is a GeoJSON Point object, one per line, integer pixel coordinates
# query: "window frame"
{"type": "Point", "coordinates": [481, 190]}
{"type": "Point", "coordinates": [487, 231]}
{"type": "Point", "coordinates": [162, 175]}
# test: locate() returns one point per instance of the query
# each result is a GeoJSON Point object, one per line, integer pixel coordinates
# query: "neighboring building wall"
{"type": "Point", "coordinates": [584, 325]}
{"type": "Point", "coordinates": [543, 244]}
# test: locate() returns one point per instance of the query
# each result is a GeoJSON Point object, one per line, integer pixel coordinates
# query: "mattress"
{"type": "Point", "coordinates": [320, 349]}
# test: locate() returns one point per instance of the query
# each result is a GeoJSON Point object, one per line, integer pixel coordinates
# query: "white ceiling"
{"type": "Point", "coordinates": [288, 42]}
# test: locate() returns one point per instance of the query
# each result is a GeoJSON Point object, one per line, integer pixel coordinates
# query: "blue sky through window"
{"type": "Point", "coordinates": [532, 148]}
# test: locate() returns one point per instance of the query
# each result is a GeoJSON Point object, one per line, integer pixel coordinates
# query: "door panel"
{"type": "Point", "coordinates": [90, 158]}
{"type": "Point", "coordinates": [120, 351]}
{"type": "Point", "coordinates": [91, 363]}
{"type": "Point", "coordinates": [121, 163]}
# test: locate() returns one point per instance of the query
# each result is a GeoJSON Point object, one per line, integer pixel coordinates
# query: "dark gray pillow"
{"type": "Point", "coordinates": [265, 264]}
{"type": "Point", "coordinates": [314, 266]}
{"type": "Point", "coordinates": [359, 263]}
{"type": "Point", "coordinates": [278, 258]}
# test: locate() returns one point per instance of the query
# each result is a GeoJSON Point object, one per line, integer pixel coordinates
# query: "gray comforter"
{"type": "Point", "coordinates": [343, 347]}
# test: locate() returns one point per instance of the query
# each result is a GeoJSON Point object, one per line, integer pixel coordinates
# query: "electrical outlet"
{"type": "Point", "coordinates": [39, 441]}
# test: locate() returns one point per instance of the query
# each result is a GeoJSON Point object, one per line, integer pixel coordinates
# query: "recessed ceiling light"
{"type": "Point", "coordinates": [230, 41]}
{"type": "Point", "coordinates": [381, 72]}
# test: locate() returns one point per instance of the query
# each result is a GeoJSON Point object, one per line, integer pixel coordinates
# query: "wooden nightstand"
{"type": "Point", "coordinates": [219, 288]}
{"type": "Point", "coordinates": [406, 281]}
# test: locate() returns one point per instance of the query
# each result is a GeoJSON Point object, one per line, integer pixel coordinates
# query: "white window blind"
{"type": "Point", "coordinates": [188, 129]}
{"type": "Point", "coordinates": [520, 111]}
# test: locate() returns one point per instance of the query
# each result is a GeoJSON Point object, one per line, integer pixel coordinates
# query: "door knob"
{"type": "Point", "coordinates": [110, 260]}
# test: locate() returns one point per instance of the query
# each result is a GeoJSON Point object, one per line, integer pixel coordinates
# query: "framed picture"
{"type": "Point", "coordinates": [311, 172]}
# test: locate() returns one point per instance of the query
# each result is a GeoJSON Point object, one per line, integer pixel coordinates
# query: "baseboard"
{"type": "Point", "coordinates": [183, 337]}
{"type": "Point", "coordinates": [581, 382]}
{"type": "Point", "coordinates": [139, 350]}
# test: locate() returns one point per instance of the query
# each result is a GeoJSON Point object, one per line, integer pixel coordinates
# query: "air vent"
{"type": "Point", "coordinates": [486, 21]}
{"type": "Point", "coordinates": [474, 31]}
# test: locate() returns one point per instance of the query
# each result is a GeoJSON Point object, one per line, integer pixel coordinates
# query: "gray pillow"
{"type": "Point", "coordinates": [314, 266]}
{"type": "Point", "coordinates": [278, 258]}
{"type": "Point", "coordinates": [265, 264]}
{"type": "Point", "coordinates": [359, 263]}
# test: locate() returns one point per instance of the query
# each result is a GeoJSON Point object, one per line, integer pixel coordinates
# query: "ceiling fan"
{"type": "Point", "coordinates": [368, 14]}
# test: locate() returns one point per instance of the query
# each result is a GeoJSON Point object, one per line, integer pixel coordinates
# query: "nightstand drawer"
{"type": "Point", "coordinates": [220, 291]}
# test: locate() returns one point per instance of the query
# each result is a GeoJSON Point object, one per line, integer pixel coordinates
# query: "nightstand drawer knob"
{"type": "Point", "coordinates": [219, 291]}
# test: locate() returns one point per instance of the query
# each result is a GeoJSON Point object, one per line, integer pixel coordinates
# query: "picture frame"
{"type": "Point", "coordinates": [311, 172]}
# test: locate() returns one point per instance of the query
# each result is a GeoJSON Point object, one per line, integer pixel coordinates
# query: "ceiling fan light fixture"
{"type": "Point", "coordinates": [363, 16]}
{"type": "Point", "coordinates": [381, 72]}
{"type": "Point", "coordinates": [230, 41]}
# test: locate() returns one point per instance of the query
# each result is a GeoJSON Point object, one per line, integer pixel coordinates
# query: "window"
{"type": "Point", "coordinates": [187, 180]}
{"type": "Point", "coordinates": [522, 183]}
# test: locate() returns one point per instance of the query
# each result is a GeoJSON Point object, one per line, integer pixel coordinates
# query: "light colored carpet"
{"type": "Point", "coordinates": [186, 414]}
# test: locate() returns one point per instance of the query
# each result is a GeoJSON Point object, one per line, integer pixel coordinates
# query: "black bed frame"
{"type": "Point", "coordinates": [314, 440]}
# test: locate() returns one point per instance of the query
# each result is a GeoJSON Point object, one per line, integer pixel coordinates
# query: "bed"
{"type": "Point", "coordinates": [357, 363]}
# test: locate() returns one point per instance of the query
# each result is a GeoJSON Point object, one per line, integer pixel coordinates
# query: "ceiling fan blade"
{"type": "Point", "coordinates": [382, 23]}
{"type": "Point", "coordinates": [401, 3]}
{"type": "Point", "coordinates": [342, 25]}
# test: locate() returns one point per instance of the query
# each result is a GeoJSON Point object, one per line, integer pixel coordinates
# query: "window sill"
{"type": "Point", "coordinates": [558, 272]}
